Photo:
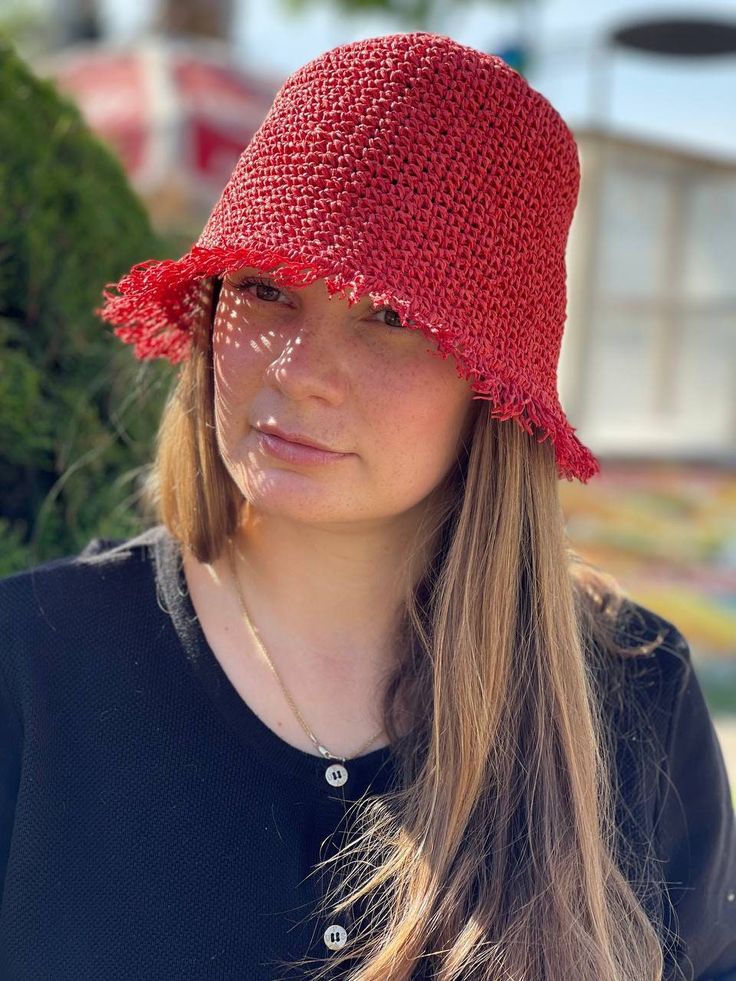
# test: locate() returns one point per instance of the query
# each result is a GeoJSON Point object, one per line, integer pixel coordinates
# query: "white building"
{"type": "Point", "coordinates": [648, 364]}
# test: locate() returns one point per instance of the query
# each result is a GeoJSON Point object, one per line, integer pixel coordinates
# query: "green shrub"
{"type": "Point", "coordinates": [78, 413]}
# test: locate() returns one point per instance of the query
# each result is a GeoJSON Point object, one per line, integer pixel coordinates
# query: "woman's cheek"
{"type": "Point", "coordinates": [237, 363]}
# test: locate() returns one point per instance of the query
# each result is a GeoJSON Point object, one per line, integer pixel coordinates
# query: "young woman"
{"type": "Point", "coordinates": [352, 707]}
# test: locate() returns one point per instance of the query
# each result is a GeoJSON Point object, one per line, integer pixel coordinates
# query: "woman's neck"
{"type": "Point", "coordinates": [332, 596]}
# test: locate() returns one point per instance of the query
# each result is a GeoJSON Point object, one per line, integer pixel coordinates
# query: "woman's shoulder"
{"type": "Point", "coordinates": [675, 795]}
{"type": "Point", "coordinates": [693, 821]}
{"type": "Point", "coordinates": [641, 664]}
{"type": "Point", "coordinates": [76, 613]}
{"type": "Point", "coordinates": [648, 632]}
{"type": "Point", "coordinates": [52, 592]}
{"type": "Point", "coordinates": [643, 645]}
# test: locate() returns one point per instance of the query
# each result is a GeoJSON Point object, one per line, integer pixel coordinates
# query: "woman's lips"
{"type": "Point", "coordinates": [295, 452]}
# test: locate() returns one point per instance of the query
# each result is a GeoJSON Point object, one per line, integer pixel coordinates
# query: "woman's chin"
{"type": "Point", "coordinates": [295, 496]}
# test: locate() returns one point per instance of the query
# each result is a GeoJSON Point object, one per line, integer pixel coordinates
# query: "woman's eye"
{"type": "Point", "coordinates": [268, 293]}
{"type": "Point", "coordinates": [264, 290]}
{"type": "Point", "coordinates": [393, 318]}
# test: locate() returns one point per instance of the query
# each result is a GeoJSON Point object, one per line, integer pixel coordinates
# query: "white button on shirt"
{"type": "Point", "coordinates": [336, 775]}
{"type": "Point", "coordinates": [335, 936]}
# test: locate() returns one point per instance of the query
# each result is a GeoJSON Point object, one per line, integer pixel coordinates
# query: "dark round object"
{"type": "Point", "coordinates": [687, 36]}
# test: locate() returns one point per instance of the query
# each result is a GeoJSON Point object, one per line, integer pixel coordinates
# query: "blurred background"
{"type": "Point", "coordinates": [119, 125]}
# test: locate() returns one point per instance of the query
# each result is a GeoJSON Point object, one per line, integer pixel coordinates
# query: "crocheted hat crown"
{"type": "Point", "coordinates": [417, 170]}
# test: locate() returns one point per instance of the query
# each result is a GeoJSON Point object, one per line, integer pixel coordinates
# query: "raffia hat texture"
{"type": "Point", "coordinates": [417, 170]}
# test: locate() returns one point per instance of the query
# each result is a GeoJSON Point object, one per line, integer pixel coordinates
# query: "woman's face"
{"type": "Point", "coordinates": [350, 378]}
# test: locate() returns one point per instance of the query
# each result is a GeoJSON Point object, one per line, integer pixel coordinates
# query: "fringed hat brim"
{"type": "Point", "coordinates": [159, 304]}
{"type": "Point", "coordinates": [542, 421]}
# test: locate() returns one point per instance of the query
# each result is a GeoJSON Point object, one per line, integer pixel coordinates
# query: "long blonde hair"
{"type": "Point", "coordinates": [494, 855]}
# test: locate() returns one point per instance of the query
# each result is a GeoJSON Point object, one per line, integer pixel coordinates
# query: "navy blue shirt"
{"type": "Point", "coordinates": [153, 827]}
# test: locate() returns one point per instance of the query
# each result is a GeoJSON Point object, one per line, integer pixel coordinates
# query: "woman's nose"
{"type": "Point", "coordinates": [308, 357]}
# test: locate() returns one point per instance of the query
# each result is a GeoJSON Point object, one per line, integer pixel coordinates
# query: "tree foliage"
{"type": "Point", "coordinates": [78, 414]}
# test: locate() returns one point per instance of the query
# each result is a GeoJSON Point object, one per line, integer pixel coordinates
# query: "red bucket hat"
{"type": "Point", "coordinates": [417, 170]}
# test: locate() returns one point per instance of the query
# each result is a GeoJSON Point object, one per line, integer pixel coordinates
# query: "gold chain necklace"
{"type": "Point", "coordinates": [323, 751]}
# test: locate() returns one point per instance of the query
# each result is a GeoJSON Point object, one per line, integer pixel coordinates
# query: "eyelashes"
{"type": "Point", "coordinates": [247, 282]}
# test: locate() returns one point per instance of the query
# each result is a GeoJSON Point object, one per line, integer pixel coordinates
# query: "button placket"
{"type": "Point", "coordinates": [336, 775]}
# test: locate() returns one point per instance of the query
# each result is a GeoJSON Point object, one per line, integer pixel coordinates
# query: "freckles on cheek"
{"type": "Point", "coordinates": [391, 396]}
{"type": "Point", "coordinates": [238, 356]}
{"type": "Point", "coordinates": [234, 384]}
{"type": "Point", "coordinates": [229, 366]}
{"type": "Point", "coordinates": [442, 400]}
